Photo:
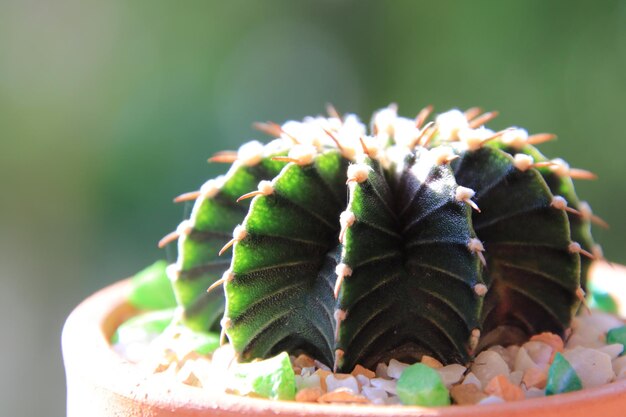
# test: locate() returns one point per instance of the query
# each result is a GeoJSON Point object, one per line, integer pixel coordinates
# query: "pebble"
{"type": "Point", "coordinates": [451, 374]}
{"type": "Point", "coordinates": [376, 395]}
{"type": "Point", "coordinates": [466, 394]}
{"type": "Point", "coordinates": [342, 395]}
{"type": "Point", "coordinates": [613, 350]}
{"type": "Point", "coordinates": [503, 388]}
{"type": "Point", "coordinates": [309, 394]}
{"type": "Point", "coordinates": [492, 399]}
{"type": "Point", "coordinates": [541, 353]}
{"type": "Point", "coordinates": [593, 367]}
{"type": "Point", "coordinates": [336, 381]}
{"type": "Point", "coordinates": [523, 361]}
{"type": "Point", "coordinates": [381, 371]}
{"type": "Point", "coordinates": [432, 362]}
{"type": "Point", "coordinates": [472, 379]}
{"type": "Point", "coordinates": [395, 368]}
{"type": "Point", "coordinates": [535, 378]}
{"type": "Point", "coordinates": [487, 365]}
{"type": "Point", "coordinates": [385, 384]}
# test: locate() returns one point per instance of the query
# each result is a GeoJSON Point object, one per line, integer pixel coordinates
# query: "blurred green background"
{"type": "Point", "coordinates": [108, 109]}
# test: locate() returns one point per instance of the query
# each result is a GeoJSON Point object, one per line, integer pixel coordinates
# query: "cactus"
{"type": "Point", "coordinates": [433, 238]}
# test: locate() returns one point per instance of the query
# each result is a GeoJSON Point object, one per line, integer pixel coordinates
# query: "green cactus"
{"type": "Point", "coordinates": [419, 238]}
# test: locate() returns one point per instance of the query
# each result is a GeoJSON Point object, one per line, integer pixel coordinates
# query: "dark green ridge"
{"type": "Point", "coordinates": [580, 228]}
{"type": "Point", "coordinates": [532, 276]}
{"type": "Point", "coordinates": [411, 288]}
{"type": "Point", "coordinates": [281, 297]}
{"type": "Point", "coordinates": [213, 220]}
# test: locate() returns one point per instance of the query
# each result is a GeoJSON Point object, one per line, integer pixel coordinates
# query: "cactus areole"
{"type": "Point", "coordinates": [355, 247]}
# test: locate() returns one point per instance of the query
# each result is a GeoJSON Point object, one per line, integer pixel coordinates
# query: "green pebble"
{"type": "Point", "coordinates": [562, 377]}
{"type": "Point", "coordinates": [136, 328]}
{"type": "Point", "coordinates": [271, 378]}
{"type": "Point", "coordinates": [602, 300]}
{"type": "Point", "coordinates": [422, 385]}
{"type": "Point", "coordinates": [617, 335]}
{"type": "Point", "coordinates": [152, 289]}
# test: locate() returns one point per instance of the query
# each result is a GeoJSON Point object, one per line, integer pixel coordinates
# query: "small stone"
{"type": "Point", "coordinates": [541, 353]}
{"type": "Point", "coordinates": [523, 361]}
{"type": "Point", "coordinates": [393, 400]}
{"type": "Point", "coordinates": [505, 354]}
{"type": "Point", "coordinates": [594, 368]}
{"type": "Point", "coordinates": [562, 377]}
{"type": "Point", "coordinates": [320, 365]}
{"type": "Point", "coordinates": [308, 381]}
{"type": "Point", "coordinates": [384, 384]}
{"type": "Point", "coordinates": [503, 388]}
{"type": "Point", "coordinates": [451, 374]}
{"type": "Point", "coordinates": [492, 399]}
{"type": "Point", "coordinates": [336, 381]}
{"type": "Point", "coordinates": [381, 371]}
{"type": "Point", "coordinates": [535, 393]}
{"type": "Point", "coordinates": [487, 365]}
{"type": "Point", "coordinates": [363, 381]}
{"type": "Point", "coordinates": [395, 368]}
{"type": "Point", "coordinates": [304, 361]}
{"type": "Point", "coordinates": [516, 377]}
{"type": "Point", "coordinates": [619, 364]}
{"type": "Point", "coordinates": [322, 374]}
{"type": "Point", "coordinates": [535, 378]}
{"type": "Point", "coordinates": [472, 379]}
{"type": "Point", "coordinates": [617, 336]}
{"type": "Point", "coordinates": [466, 394]}
{"type": "Point", "coordinates": [614, 350]}
{"type": "Point", "coordinates": [374, 394]}
{"type": "Point", "coordinates": [550, 339]}
{"type": "Point", "coordinates": [432, 362]}
{"type": "Point", "coordinates": [360, 370]}
{"type": "Point", "coordinates": [309, 394]}
{"type": "Point", "coordinates": [342, 395]}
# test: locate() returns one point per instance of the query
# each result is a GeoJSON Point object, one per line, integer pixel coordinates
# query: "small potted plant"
{"type": "Point", "coordinates": [418, 264]}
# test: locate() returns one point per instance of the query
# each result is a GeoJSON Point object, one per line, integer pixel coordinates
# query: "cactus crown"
{"type": "Point", "coordinates": [417, 238]}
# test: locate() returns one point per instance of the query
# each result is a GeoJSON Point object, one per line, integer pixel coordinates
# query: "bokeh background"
{"type": "Point", "coordinates": [108, 109]}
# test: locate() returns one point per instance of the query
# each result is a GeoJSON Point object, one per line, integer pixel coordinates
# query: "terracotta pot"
{"type": "Point", "coordinates": [100, 383]}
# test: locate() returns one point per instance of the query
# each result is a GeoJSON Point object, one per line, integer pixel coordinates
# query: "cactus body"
{"type": "Point", "coordinates": [355, 249]}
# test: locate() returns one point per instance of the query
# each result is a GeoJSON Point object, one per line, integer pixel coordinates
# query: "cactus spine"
{"type": "Point", "coordinates": [419, 238]}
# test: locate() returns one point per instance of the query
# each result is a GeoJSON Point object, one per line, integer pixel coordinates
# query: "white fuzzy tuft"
{"type": "Point", "coordinates": [559, 202]}
{"type": "Point", "coordinates": [474, 138]}
{"type": "Point", "coordinates": [442, 154]}
{"type": "Point", "coordinates": [475, 245]}
{"type": "Point", "coordinates": [515, 138]}
{"type": "Point", "coordinates": [480, 290]}
{"type": "Point", "coordinates": [228, 275]}
{"type": "Point", "coordinates": [184, 228]}
{"type": "Point", "coordinates": [239, 233]}
{"type": "Point", "coordinates": [522, 161]}
{"type": "Point", "coordinates": [560, 167]}
{"type": "Point", "coordinates": [358, 172]}
{"type": "Point", "coordinates": [464, 193]}
{"type": "Point", "coordinates": [343, 270]}
{"type": "Point", "coordinates": [250, 153]}
{"type": "Point", "coordinates": [226, 323]}
{"type": "Point", "coordinates": [266, 188]}
{"type": "Point", "coordinates": [574, 247]}
{"type": "Point", "coordinates": [450, 123]}
{"type": "Point", "coordinates": [383, 120]}
{"type": "Point", "coordinates": [303, 154]}
{"type": "Point", "coordinates": [209, 189]}
{"type": "Point", "coordinates": [339, 315]}
{"type": "Point", "coordinates": [172, 272]}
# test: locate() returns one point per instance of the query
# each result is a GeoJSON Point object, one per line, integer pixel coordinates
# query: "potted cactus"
{"type": "Point", "coordinates": [418, 240]}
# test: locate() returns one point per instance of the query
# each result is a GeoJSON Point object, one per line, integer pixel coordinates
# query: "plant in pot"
{"type": "Point", "coordinates": [410, 265]}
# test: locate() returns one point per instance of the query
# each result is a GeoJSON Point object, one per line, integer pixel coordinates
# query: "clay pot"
{"type": "Point", "coordinates": [102, 384]}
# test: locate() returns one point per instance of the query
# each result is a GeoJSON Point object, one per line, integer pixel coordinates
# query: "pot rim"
{"type": "Point", "coordinates": [88, 356]}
